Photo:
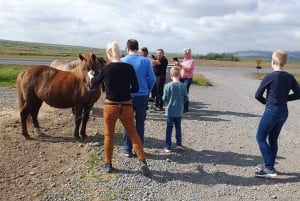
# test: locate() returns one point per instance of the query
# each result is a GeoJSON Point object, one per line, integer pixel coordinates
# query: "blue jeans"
{"type": "Point", "coordinates": [170, 122]}
{"type": "Point", "coordinates": [187, 82]}
{"type": "Point", "coordinates": [268, 132]}
{"type": "Point", "coordinates": [140, 104]}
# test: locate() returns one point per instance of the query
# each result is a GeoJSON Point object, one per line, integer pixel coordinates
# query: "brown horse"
{"type": "Point", "coordinates": [60, 89]}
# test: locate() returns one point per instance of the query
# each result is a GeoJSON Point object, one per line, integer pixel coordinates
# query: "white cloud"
{"type": "Point", "coordinates": [204, 26]}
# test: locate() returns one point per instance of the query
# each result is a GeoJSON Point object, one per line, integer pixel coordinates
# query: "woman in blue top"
{"type": "Point", "coordinates": [174, 97]}
{"type": "Point", "coordinates": [277, 85]}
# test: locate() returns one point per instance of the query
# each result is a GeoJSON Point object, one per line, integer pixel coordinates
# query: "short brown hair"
{"type": "Point", "coordinates": [144, 49]}
{"type": "Point", "coordinates": [133, 44]}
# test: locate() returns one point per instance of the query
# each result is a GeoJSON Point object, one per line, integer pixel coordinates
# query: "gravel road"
{"type": "Point", "coordinates": [221, 151]}
{"type": "Point", "coordinates": [217, 162]}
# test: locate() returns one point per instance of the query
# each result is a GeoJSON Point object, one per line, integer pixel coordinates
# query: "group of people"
{"type": "Point", "coordinates": [128, 82]}
{"type": "Point", "coordinates": [130, 79]}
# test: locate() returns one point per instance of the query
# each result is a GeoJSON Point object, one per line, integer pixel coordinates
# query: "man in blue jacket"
{"type": "Point", "coordinates": [146, 80]}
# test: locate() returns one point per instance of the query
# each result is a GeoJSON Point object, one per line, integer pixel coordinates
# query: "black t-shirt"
{"type": "Point", "coordinates": [120, 80]}
{"type": "Point", "coordinates": [160, 70]}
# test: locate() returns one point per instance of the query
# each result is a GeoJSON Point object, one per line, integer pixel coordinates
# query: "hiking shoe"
{"type": "Point", "coordinates": [108, 167]}
{"type": "Point", "coordinates": [151, 100]}
{"type": "Point", "coordinates": [179, 147]}
{"type": "Point", "coordinates": [159, 109]}
{"type": "Point", "coordinates": [145, 169]}
{"type": "Point", "coordinates": [130, 154]}
{"type": "Point", "coordinates": [266, 173]}
{"type": "Point", "coordinates": [260, 167]}
{"type": "Point", "coordinates": [167, 150]}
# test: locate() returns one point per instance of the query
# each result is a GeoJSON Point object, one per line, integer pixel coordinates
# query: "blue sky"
{"type": "Point", "coordinates": [204, 26]}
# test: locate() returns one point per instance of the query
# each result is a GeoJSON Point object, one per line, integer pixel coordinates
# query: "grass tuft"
{"type": "Point", "coordinates": [200, 80]}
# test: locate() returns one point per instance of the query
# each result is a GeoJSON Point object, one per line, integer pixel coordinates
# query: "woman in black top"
{"type": "Point", "coordinates": [120, 80]}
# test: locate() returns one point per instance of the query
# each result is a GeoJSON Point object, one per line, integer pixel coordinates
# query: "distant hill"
{"type": "Point", "coordinates": [9, 48]}
{"type": "Point", "coordinates": [17, 49]}
{"type": "Point", "coordinates": [264, 55]}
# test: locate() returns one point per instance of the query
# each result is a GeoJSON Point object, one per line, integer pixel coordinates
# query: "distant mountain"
{"type": "Point", "coordinates": [264, 55]}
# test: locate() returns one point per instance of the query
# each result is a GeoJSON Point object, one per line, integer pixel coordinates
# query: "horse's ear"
{"type": "Point", "coordinates": [81, 57]}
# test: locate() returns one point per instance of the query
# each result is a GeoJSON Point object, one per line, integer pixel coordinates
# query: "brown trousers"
{"type": "Point", "coordinates": [111, 113]}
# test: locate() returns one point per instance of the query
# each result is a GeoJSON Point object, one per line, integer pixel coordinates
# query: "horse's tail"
{"type": "Point", "coordinates": [20, 94]}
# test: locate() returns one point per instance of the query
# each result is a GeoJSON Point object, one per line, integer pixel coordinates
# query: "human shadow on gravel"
{"type": "Point", "coordinates": [209, 167]}
{"type": "Point", "coordinates": [201, 175]}
{"type": "Point", "coordinates": [198, 111]}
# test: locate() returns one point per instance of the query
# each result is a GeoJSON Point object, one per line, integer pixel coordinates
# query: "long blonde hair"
{"type": "Point", "coordinates": [113, 49]}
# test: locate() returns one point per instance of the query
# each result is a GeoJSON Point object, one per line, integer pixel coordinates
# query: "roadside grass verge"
{"type": "Point", "coordinates": [200, 80]}
{"type": "Point", "coordinates": [8, 74]}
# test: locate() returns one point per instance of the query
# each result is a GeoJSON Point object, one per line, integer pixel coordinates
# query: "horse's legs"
{"type": "Point", "coordinates": [34, 113]}
{"type": "Point", "coordinates": [77, 112]}
{"type": "Point", "coordinates": [85, 118]}
{"type": "Point", "coordinates": [24, 116]}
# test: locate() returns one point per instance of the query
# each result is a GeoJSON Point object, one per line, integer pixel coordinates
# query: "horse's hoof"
{"type": "Point", "coordinates": [27, 137]}
{"type": "Point", "coordinates": [77, 138]}
{"type": "Point", "coordinates": [42, 135]}
{"type": "Point", "coordinates": [83, 138]}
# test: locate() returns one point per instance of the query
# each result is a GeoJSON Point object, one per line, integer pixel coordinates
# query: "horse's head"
{"type": "Point", "coordinates": [89, 61]}
{"type": "Point", "coordinates": [92, 62]}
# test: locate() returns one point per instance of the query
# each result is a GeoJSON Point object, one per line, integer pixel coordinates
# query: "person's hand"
{"type": "Point", "coordinates": [91, 74]}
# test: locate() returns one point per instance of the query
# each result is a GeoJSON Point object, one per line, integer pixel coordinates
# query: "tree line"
{"type": "Point", "coordinates": [217, 56]}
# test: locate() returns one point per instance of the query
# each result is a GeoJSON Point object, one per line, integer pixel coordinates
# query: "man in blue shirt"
{"type": "Point", "coordinates": [146, 80]}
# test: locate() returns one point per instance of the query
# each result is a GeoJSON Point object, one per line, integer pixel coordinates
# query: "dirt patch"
{"type": "Point", "coordinates": [30, 168]}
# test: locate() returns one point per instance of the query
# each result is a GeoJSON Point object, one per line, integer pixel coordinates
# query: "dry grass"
{"type": "Point", "coordinates": [247, 63]}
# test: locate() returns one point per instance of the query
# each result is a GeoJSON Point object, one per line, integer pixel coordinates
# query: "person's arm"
{"type": "Point", "coordinates": [94, 80]}
{"type": "Point", "coordinates": [134, 82]}
{"type": "Point", "coordinates": [164, 61]}
{"type": "Point", "coordinates": [296, 91]}
{"type": "Point", "coordinates": [188, 65]}
{"type": "Point", "coordinates": [156, 62]}
{"type": "Point", "coordinates": [165, 96]}
{"type": "Point", "coordinates": [151, 76]}
{"type": "Point", "coordinates": [260, 91]}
